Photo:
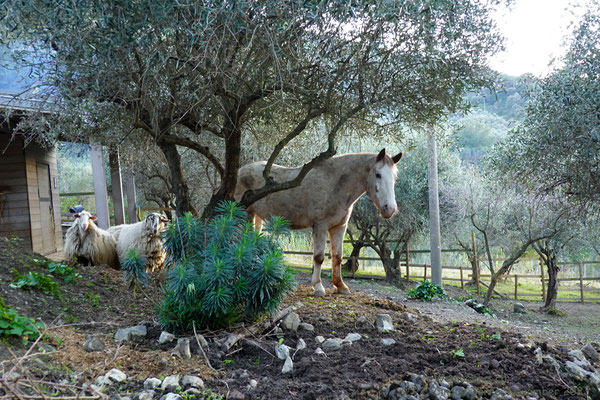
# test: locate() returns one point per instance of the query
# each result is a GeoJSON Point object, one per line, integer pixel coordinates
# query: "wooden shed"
{"type": "Point", "coordinates": [29, 201]}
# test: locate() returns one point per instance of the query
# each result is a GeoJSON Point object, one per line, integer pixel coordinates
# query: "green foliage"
{"type": "Point", "coordinates": [134, 269]}
{"type": "Point", "coordinates": [55, 269]}
{"type": "Point", "coordinates": [13, 324]}
{"type": "Point", "coordinates": [426, 291]}
{"type": "Point", "coordinates": [458, 353]}
{"type": "Point", "coordinates": [222, 271]}
{"type": "Point", "coordinates": [37, 280]}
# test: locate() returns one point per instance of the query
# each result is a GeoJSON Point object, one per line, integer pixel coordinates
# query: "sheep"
{"type": "Point", "coordinates": [115, 231]}
{"type": "Point", "coordinates": [89, 243]}
{"type": "Point", "coordinates": [145, 238]}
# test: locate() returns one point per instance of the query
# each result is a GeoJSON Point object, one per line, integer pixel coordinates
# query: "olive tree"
{"type": "Point", "coordinates": [191, 74]}
{"type": "Point", "coordinates": [557, 147]}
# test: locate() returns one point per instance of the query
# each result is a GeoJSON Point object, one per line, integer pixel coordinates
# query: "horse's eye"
{"type": "Point", "coordinates": [378, 175]}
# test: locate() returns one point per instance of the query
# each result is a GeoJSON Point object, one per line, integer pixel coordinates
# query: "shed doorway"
{"type": "Point", "coordinates": [46, 209]}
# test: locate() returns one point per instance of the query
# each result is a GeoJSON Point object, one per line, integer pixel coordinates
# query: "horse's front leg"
{"type": "Point", "coordinates": [319, 241]}
{"type": "Point", "coordinates": [336, 236]}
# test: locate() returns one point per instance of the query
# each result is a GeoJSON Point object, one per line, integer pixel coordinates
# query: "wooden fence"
{"type": "Point", "coordinates": [465, 275]}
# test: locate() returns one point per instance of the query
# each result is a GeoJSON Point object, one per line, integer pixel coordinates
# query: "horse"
{"type": "Point", "coordinates": [324, 201]}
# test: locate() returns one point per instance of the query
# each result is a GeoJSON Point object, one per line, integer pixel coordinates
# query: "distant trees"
{"type": "Point", "coordinates": [202, 75]}
{"type": "Point", "coordinates": [557, 147]}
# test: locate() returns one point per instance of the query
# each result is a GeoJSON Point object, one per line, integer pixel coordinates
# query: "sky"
{"type": "Point", "coordinates": [535, 32]}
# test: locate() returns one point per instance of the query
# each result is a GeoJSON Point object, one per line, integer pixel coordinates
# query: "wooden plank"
{"type": "Point", "coordinates": [14, 212]}
{"type": "Point", "coordinates": [581, 281]}
{"type": "Point", "coordinates": [516, 286]}
{"type": "Point", "coordinates": [11, 173]}
{"type": "Point", "coordinates": [15, 197]}
{"type": "Point", "coordinates": [14, 227]}
{"type": "Point", "coordinates": [12, 159]}
{"type": "Point", "coordinates": [15, 219]}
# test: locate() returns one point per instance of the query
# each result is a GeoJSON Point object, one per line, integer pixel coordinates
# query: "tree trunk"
{"type": "Point", "coordinates": [434, 213]}
{"type": "Point", "coordinates": [391, 265]}
{"type": "Point", "coordinates": [233, 149]}
{"type": "Point", "coordinates": [549, 256]}
{"type": "Point", "coordinates": [351, 264]}
{"type": "Point", "coordinates": [180, 187]}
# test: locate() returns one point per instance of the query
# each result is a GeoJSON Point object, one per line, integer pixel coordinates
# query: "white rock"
{"type": "Point", "coordinates": [282, 351]}
{"type": "Point", "coordinates": [152, 383]}
{"type": "Point", "coordinates": [252, 384]}
{"type": "Point", "coordinates": [301, 345]}
{"type": "Point", "coordinates": [538, 356]}
{"type": "Point", "coordinates": [288, 366]}
{"type": "Point", "coordinates": [182, 349]}
{"type": "Point", "coordinates": [166, 337]}
{"type": "Point", "coordinates": [388, 342]}
{"type": "Point", "coordinates": [319, 339]}
{"type": "Point", "coordinates": [170, 383]}
{"type": "Point", "coordinates": [115, 375]}
{"type": "Point", "coordinates": [590, 352]}
{"type": "Point", "coordinates": [353, 337]}
{"type": "Point", "coordinates": [192, 381]}
{"type": "Point", "coordinates": [304, 326]}
{"type": "Point", "coordinates": [384, 323]}
{"type": "Point", "coordinates": [146, 395]}
{"type": "Point", "coordinates": [332, 344]}
{"type": "Point", "coordinates": [171, 396]}
{"type": "Point", "coordinates": [131, 333]}
{"type": "Point", "coordinates": [319, 351]}
{"type": "Point", "coordinates": [291, 321]}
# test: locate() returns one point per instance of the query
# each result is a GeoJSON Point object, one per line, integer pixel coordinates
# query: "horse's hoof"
{"type": "Point", "coordinates": [319, 293]}
{"type": "Point", "coordinates": [343, 291]}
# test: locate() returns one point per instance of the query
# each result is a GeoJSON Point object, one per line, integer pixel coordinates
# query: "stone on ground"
{"type": "Point", "coordinates": [192, 381]}
{"type": "Point", "coordinates": [590, 352]}
{"type": "Point", "coordinates": [93, 343]}
{"type": "Point", "coordinates": [152, 383]}
{"type": "Point", "coordinates": [170, 383]}
{"type": "Point", "coordinates": [115, 375]}
{"type": "Point", "coordinates": [166, 337]}
{"type": "Point", "coordinates": [131, 333]}
{"type": "Point", "coordinates": [282, 351]}
{"type": "Point", "coordinates": [288, 366]}
{"type": "Point", "coordinates": [353, 337]}
{"type": "Point", "coordinates": [519, 308]}
{"type": "Point", "coordinates": [291, 322]}
{"type": "Point", "coordinates": [332, 344]}
{"type": "Point", "coordinates": [388, 342]}
{"type": "Point", "coordinates": [384, 323]}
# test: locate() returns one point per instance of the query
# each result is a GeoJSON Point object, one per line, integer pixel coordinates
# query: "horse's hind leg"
{"type": "Point", "coordinates": [336, 236]}
{"type": "Point", "coordinates": [319, 240]}
{"type": "Point", "coordinates": [255, 219]}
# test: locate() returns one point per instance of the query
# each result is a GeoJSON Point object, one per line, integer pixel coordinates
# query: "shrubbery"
{"type": "Point", "coordinates": [426, 291]}
{"type": "Point", "coordinates": [222, 271]}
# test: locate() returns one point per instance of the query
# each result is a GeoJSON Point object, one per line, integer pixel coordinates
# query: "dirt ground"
{"type": "Point", "coordinates": [494, 356]}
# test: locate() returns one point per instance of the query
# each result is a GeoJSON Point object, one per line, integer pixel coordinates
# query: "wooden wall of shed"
{"type": "Point", "coordinates": [34, 154]}
{"type": "Point", "coordinates": [14, 213]}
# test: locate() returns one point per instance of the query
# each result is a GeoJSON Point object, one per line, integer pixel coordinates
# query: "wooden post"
{"type": "Point", "coordinates": [580, 280]}
{"type": "Point", "coordinates": [131, 199]}
{"type": "Point", "coordinates": [516, 287]}
{"type": "Point", "coordinates": [407, 263]}
{"type": "Point", "coordinates": [476, 261]}
{"type": "Point", "coordinates": [425, 271]}
{"type": "Point", "coordinates": [117, 186]}
{"type": "Point", "coordinates": [543, 280]}
{"type": "Point", "coordinates": [99, 178]}
{"type": "Point", "coordinates": [462, 285]}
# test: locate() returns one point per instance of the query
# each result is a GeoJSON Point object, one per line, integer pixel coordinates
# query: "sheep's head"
{"type": "Point", "coordinates": [155, 223]}
{"type": "Point", "coordinates": [83, 220]}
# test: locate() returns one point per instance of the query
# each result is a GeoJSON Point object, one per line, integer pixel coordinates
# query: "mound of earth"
{"type": "Point", "coordinates": [463, 358]}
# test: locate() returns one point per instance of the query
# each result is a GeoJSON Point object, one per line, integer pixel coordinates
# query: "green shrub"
{"type": "Point", "coordinates": [426, 291]}
{"type": "Point", "coordinates": [37, 280]}
{"type": "Point", "coordinates": [134, 269]}
{"type": "Point", "coordinates": [13, 324]}
{"type": "Point", "coordinates": [222, 271]}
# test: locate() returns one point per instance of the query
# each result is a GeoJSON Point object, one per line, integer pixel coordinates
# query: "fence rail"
{"type": "Point", "coordinates": [466, 275]}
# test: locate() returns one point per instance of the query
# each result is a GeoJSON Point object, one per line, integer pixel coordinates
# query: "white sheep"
{"type": "Point", "coordinates": [89, 243]}
{"type": "Point", "coordinates": [145, 238]}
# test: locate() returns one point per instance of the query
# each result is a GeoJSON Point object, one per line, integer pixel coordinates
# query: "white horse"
{"type": "Point", "coordinates": [324, 201]}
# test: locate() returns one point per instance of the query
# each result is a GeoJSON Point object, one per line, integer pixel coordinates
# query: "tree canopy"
{"type": "Point", "coordinates": [193, 74]}
{"type": "Point", "coordinates": [557, 147]}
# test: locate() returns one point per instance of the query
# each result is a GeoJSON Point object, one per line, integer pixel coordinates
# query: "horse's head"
{"type": "Point", "coordinates": [83, 220]}
{"type": "Point", "coordinates": [380, 183]}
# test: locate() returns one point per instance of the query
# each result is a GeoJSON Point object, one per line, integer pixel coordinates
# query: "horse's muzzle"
{"type": "Point", "coordinates": [388, 211]}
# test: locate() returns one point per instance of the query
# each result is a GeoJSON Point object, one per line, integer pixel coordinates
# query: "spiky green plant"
{"type": "Point", "coordinates": [134, 269]}
{"type": "Point", "coordinates": [222, 271]}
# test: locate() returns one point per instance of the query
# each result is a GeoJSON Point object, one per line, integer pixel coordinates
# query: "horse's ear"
{"type": "Point", "coordinates": [397, 158]}
{"type": "Point", "coordinates": [381, 155]}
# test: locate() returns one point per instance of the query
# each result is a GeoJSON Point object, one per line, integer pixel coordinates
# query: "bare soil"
{"type": "Point", "coordinates": [100, 303]}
